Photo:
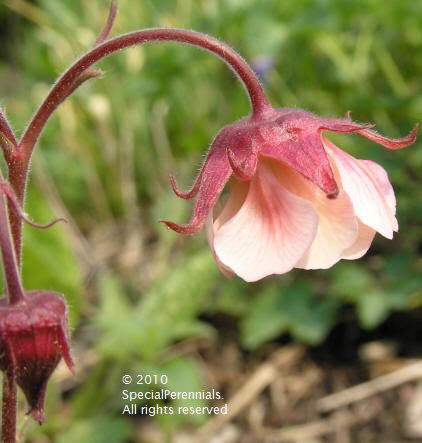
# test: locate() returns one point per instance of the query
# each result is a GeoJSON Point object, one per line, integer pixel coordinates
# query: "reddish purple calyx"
{"type": "Point", "coordinates": [293, 137]}
{"type": "Point", "coordinates": [33, 338]}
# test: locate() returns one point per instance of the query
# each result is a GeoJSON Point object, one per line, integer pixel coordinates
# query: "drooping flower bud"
{"type": "Point", "coordinates": [33, 338]}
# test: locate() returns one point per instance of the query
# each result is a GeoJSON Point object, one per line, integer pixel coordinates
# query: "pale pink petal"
{"type": "Point", "coordinates": [209, 229]}
{"type": "Point", "coordinates": [221, 214]}
{"type": "Point", "coordinates": [362, 243]}
{"type": "Point", "coordinates": [337, 231]}
{"type": "Point", "coordinates": [367, 185]}
{"type": "Point", "coordinates": [338, 225]}
{"type": "Point", "coordinates": [271, 230]}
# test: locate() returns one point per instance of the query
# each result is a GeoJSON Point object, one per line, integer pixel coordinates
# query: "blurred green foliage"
{"type": "Point", "coordinates": [134, 288]}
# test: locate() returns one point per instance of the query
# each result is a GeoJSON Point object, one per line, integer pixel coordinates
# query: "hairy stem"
{"type": "Point", "coordinates": [9, 409]}
{"type": "Point", "coordinates": [12, 280]}
{"type": "Point", "coordinates": [70, 80]}
{"type": "Point", "coordinates": [60, 90]}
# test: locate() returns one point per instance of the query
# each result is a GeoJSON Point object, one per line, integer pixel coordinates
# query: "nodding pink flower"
{"type": "Point", "coordinates": [296, 200]}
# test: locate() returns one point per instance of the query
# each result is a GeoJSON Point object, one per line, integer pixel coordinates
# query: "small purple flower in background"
{"type": "Point", "coordinates": [295, 200]}
{"type": "Point", "coordinates": [262, 66]}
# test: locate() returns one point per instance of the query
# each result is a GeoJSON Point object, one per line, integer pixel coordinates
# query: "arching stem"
{"type": "Point", "coordinates": [60, 90]}
{"type": "Point", "coordinates": [80, 71]}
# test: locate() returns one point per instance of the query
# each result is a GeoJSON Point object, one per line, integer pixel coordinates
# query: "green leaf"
{"type": "Point", "coordinates": [184, 375]}
{"type": "Point", "coordinates": [167, 312]}
{"type": "Point", "coordinates": [266, 319]}
{"type": "Point", "coordinates": [175, 300]}
{"type": "Point", "coordinates": [373, 308]}
{"type": "Point", "coordinates": [293, 310]}
{"type": "Point", "coordinates": [351, 281]}
{"type": "Point", "coordinates": [115, 318]}
{"type": "Point", "coordinates": [394, 286]}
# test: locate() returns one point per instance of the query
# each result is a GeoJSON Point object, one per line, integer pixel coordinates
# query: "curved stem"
{"type": "Point", "coordinates": [70, 80]}
{"type": "Point", "coordinates": [60, 90]}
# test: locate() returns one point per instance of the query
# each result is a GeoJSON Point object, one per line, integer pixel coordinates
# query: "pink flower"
{"type": "Point", "coordinates": [296, 200]}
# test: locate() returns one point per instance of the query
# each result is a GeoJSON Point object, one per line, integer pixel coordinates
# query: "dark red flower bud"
{"type": "Point", "coordinates": [33, 337]}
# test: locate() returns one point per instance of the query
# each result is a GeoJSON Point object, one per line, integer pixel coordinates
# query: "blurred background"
{"type": "Point", "coordinates": [145, 300]}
